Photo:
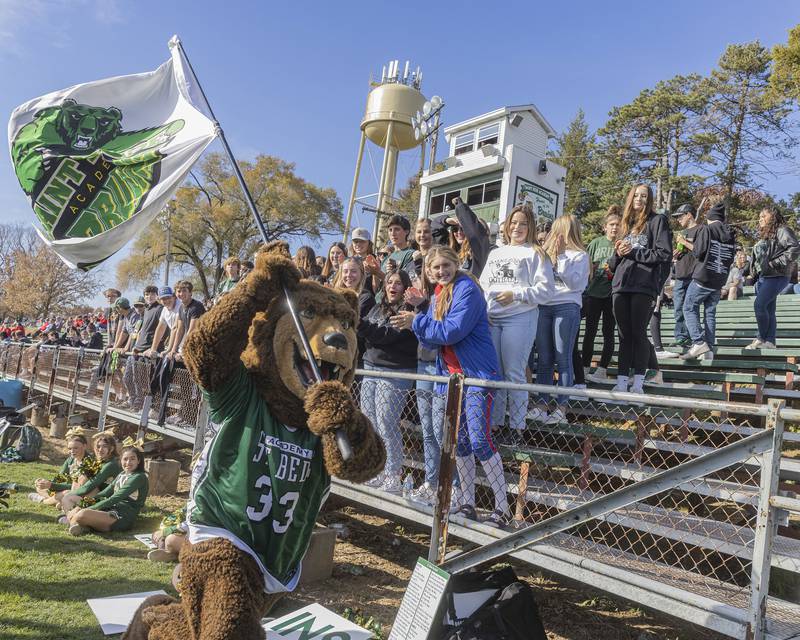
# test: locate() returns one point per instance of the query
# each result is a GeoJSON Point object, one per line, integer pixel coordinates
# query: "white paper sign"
{"type": "Point", "coordinates": [420, 602]}
{"type": "Point", "coordinates": [314, 621]}
{"type": "Point", "coordinates": [147, 540]}
{"type": "Point", "coordinates": [115, 613]}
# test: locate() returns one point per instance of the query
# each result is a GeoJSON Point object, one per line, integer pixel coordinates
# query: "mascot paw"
{"type": "Point", "coordinates": [329, 406]}
{"type": "Point", "coordinates": [274, 260]}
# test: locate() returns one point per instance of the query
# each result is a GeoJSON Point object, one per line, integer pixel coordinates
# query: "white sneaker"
{"type": "Point", "coordinates": [35, 497]}
{"type": "Point", "coordinates": [696, 350]}
{"type": "Point", "coordinates": [556, 417]}
{"type": "Point", "coordinates": [537, 415]}
{"type": "Point", "coordinates": [758, 343]}
{"type": "Point", "coordinates": [376, 482]}
{"type": "Point", "coordinates": [768, 345]}
{"type": "Point", "coordinates": [425, 493]}
{"type": "Point", "coordinates": [578, 386]}
{"type": "Point", "coordinates": [601, 373]}
{"type": "Point", "coordinates": [663, 355]}
{"type": "Point", "coordinates": [392, 485]}
{"type": "Point", "coordinates": [637, 388]}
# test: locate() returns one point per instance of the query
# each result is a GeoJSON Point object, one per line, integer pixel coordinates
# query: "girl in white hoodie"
{"type": "Point", "coordinates": [560, 316]}
{"type": "Point", "coordinates": [517, 278]}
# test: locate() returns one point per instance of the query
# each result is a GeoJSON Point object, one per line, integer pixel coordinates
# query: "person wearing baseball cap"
{"type": "Point", "coordinates": [167, 322]}
{"type": "Point", "coordinates": [360, 243]}
{"type": "Point", "coordinates": [684, 260]}
{"type": "Point", "coordinates": [468, 238]}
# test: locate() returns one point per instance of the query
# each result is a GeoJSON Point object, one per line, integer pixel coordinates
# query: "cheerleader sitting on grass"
{"type": "Point", "coordinates": [170, 537]}
{"type": "Point", "coordinates": [105, 451]}
{"type": "Point", "coordinates": [76, 470]}
{"type": "Point", "coordinates": [115, 507]}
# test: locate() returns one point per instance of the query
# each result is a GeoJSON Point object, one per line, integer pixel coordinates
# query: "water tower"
{"type": "Point", "coordinates": [391, 106]}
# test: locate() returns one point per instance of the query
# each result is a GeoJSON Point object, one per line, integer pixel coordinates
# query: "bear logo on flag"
{"type": "Point", "coordinates": [83, 173]}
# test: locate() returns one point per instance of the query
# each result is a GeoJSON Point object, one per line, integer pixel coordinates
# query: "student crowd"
{"type": "Point", "coordinates": [446, 299]}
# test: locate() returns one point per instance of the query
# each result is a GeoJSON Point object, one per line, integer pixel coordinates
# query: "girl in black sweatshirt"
{"type": "Point", "coordinates": [641, 254]}
{"type": "Point", "coordinates": [388, 349]}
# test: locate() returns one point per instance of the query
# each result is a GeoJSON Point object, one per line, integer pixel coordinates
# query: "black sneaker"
{"type": "Point", "coordinates": [467, 511]}
{"type": "Point", "coordinates": [497, 519]}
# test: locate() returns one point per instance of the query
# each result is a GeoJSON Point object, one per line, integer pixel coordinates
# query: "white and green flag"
{"type": "Point", "coordinates": [99, 160]}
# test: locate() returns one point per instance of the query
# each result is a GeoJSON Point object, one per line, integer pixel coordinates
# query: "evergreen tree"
{"type": "Point", "coordinates": [746, 122]}
{"type": "Point", "coordinates": [785, 78]}
{"type": "Point", "coordinates": [576, 153]}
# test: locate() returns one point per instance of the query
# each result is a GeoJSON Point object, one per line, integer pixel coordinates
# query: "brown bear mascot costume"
{"type": "Point", "coordinates": [259, 483]}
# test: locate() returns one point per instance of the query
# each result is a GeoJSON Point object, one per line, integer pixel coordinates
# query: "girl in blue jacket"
{"type": "Point", "coordinates": [457, 323]}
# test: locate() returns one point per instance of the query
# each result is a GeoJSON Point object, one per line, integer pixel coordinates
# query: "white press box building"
{"type": "Point", "coordinates": [496, 161]}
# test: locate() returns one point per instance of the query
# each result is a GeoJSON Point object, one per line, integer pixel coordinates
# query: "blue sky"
{"type": "Point", "coordinates": [290, 78]}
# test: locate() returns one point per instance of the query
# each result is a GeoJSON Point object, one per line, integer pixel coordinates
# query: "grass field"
{"type": "Point", "coordinates": [46, 575]}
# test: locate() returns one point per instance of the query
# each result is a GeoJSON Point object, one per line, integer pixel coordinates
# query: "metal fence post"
{"type": "Point", "coordinates": [19, 361]}
{"type": "Point", "coordinates": [452, 419]}
{"type": "Point", "coordinates": [766, 525]}
{"type": "Point", "coordinates": [200, 428]}
{"type": "Point", "coordinates": [73, 399]}
{"type": "Point", "coordinates": [53, 374]}
{"type": "Point", "coordinates": [33, 372]}
{"type": "Point", "coordinates": [101, 417]}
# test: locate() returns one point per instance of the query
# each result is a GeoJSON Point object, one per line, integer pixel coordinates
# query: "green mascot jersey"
{"type": "Point", "coordinates": [258, 483]}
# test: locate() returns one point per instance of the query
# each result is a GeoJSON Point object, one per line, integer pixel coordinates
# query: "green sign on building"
{"type": "Point", "coordinates": [544, 201]}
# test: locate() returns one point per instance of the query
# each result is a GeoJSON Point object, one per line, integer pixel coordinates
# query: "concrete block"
{"type": "Point", "coordinates": [163, 476]}
{"type": "Point", "coordinates": [58, 427]}
{"type": "Point", "coordinates": [318, 562]}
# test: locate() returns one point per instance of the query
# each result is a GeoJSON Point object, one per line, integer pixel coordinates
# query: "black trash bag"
{"type": "Point", "coordinates": [489, 605]}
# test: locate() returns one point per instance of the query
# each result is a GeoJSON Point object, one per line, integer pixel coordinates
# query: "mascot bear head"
{"type": "Point", "coordinates": [275, 354]}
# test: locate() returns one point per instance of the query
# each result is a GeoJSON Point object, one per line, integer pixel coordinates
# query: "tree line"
{"type": "Point", "coordinates": [692, 136]}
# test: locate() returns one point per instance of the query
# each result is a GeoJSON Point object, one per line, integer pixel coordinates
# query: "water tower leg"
{"type": "Point", "coordinates": [382, 181]}
{"type": "Point", "coordinates": [352, 200]}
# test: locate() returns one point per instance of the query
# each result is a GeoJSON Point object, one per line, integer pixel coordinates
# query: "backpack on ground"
{"type": "Point", "coordinates": [30, 443]}
{"type": "Point", "coordinates": [490, 605]}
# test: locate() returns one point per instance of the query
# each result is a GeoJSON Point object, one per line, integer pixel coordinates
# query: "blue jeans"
{"type": "Point", "coordinates": [697, 295]}
{"type": "Point", "coordinates": [513, 338]}
{"type": "Point", "coordinates": [767, 290]}
{"type": "Point", "coordinates": [430, 405]}
{"type": "Point", "coordinates": [555, 335]}
{"type": "Point", "coordinates": [678, 295]}
{"type": "Point", "coordinates": [383, 401]}
{"type": "Point", "coordinates": [474, 430]}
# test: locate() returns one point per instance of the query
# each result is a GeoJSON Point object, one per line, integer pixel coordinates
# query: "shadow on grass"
{"type": "Point", "coordinates": [27, 516]}
{"type": "Point", "coordinates": [79, 590]}
{"type": "Point", "coordinates": [47, 631]}
{"type": "Point", "coordinates": [69, 544]}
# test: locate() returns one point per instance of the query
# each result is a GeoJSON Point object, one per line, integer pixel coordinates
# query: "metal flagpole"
{"type": "Point", "coordinates": [341, 437]}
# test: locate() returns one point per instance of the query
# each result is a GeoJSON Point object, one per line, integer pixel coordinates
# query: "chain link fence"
{"type": "Point", "coordinates": [524, 454]}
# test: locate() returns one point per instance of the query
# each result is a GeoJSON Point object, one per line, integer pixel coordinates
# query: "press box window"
{"type": "Point", "coordinates": [483, 193]}
{"type": "Point", "coordinates": [488, 135]}
{"type": "Point", "coordinates": [443, 201]}
{"type": "Point", "coordinates": [491, 191]}
{"type": "Point", "coordinates": [465, 143]}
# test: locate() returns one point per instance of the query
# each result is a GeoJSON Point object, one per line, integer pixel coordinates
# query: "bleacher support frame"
{"type": "Point", "coordinates": [542, 543]}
